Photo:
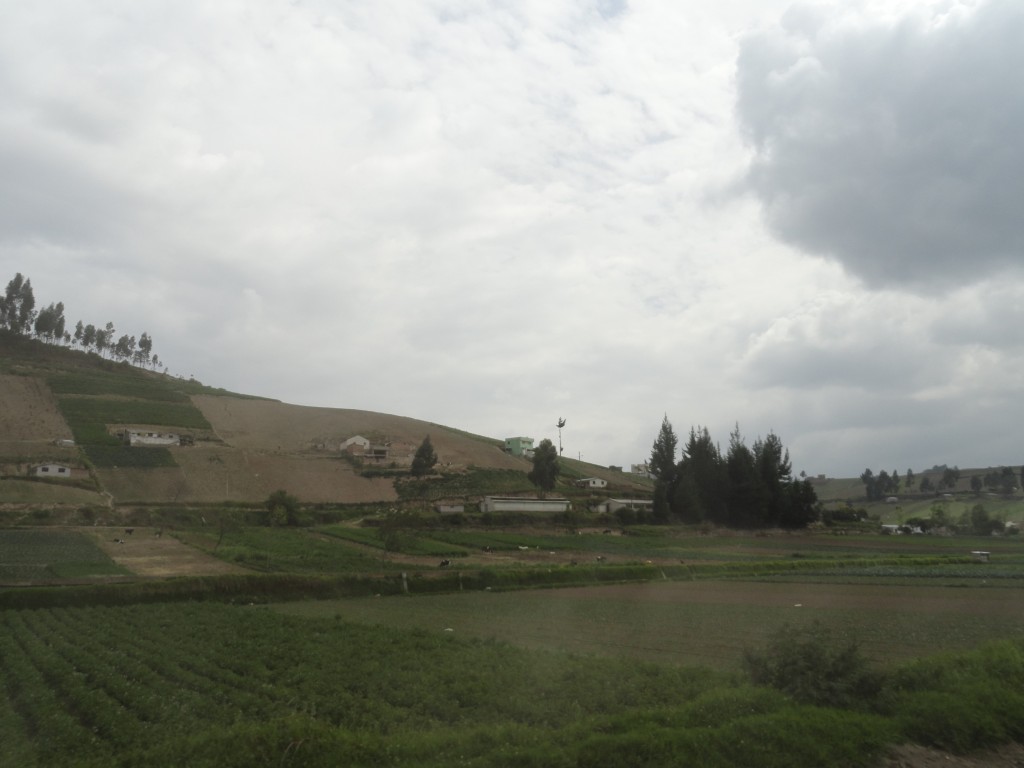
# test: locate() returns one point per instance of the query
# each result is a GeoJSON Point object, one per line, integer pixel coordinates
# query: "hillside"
{"type": "Point", "coordinates": [61, 406]}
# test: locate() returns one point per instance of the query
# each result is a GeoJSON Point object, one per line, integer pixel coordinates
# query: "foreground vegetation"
{"type": "Point", "coordinates": [214, 685]}
{"type": "Point", "coordinates": [462, 666]}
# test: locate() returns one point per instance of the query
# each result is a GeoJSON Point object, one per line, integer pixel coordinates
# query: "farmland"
{"type": "Point", "coordinates": [471, 668]}
{"type": "Point", "coordinates": [32, 557]}
{"type": "Point", "coordinates": [570, 641]}
{"type": "Point", "coordinates": [704, 623]}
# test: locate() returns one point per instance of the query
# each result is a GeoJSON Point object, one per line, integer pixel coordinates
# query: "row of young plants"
{"type": "Point", "coordinates": [205, 685]}
{"type": "Point", "coordinates": [121, 383]}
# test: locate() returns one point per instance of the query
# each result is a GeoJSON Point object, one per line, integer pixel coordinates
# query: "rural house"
{"type": "Point", "coordinates": [640, 469]}
{"type": "Point", "coordinates": [52, 470]}
{"type": "Point", "coordinates": [519, 446]}
{"type": "Point", "coordinates": [377, 451]}
{"type": "Point", "coordinates": [139, 437]}
{"type": "Point", "coordinates": [592, 482]}
{"type": "Point", "coordinates": [356, 442]}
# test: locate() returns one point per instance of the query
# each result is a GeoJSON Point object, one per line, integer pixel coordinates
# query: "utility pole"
{"type": "Point", "coordinates": [560, 424]}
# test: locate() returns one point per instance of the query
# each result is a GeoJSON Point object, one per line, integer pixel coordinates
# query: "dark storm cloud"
{"type": "Point", "coordinates": [892, 147]}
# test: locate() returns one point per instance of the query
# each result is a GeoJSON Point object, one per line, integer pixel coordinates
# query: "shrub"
{"type": "Point", "coordinates": [814, 667]}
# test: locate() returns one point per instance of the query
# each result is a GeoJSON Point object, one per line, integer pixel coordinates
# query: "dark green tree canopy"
{"type": "Point", "coordinates": [18, 315]}
{"type": "Point", "coordinates": [425, 458]}
{"type": "Point", "coordinates": [545, 466]}
{"type": "Point", "coordinates": [746, 487]}
{"type": "Point", "coordinates": [663, 467]}
{"type": "Point", "coordinates": [282, 508]}
{"type": "Point", "coordinates": [17, 306]}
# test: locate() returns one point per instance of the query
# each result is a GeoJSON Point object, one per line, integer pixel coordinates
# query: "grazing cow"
{"type": "Point", "coordinates": [129, 531]}
{"type": "Point", "coordinates": [600, 558]}
{"type": "Point", "coordinates": [119, 541]}
{"type": "Point", "coordinates": [488, 549]}
{"type": "Point", "coordinates": [446, 563]}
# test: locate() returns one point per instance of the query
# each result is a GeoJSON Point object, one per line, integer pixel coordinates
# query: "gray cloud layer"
{"type": "Point", "coordinates": [891, 145]}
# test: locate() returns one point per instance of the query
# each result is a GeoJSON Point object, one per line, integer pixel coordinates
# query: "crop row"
{"type": "Point", "coordinates": [79, 410]}
{"type": "Point", "coordinates": [125, 457]}
{"type": "Point", "coordinates": [114, 384]}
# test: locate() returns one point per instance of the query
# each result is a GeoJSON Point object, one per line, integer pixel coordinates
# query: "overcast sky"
{"type": "Point", "coordinates": [489, 214]}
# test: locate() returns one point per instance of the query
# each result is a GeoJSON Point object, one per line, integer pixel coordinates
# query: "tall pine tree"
{"type": "Point", "coordinates": [663, 468]}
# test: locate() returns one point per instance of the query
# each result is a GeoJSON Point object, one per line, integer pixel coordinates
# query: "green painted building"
{"type": "Point", "coordinates": [519, 446]}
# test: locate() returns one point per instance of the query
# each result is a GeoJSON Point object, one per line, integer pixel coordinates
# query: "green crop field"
{"type": "Point", "coordinates": [290, 551]}
{"type": "Point", "coordinates": [203, 684]}
{"type": "Point", "coordinates": [41, 555]}
{"type": "Point", "coordinates": [86, 410]}
{"type": "Point", "coordinates": [117, 384]}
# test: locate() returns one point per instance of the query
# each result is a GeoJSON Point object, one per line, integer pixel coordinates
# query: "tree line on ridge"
{"type": "Point", "coordinates": [18, 315]}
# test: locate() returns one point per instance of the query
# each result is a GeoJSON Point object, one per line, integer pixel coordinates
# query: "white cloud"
{"type": "Point", "coordinates": [491, 215]}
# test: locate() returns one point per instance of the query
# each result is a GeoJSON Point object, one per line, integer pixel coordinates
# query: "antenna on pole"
{"type": "Point", "coordinates": [560, 424]}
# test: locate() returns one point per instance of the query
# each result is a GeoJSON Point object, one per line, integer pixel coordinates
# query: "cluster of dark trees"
{"type": "Point", "coordinates": [18, 314]}
{"type": "Point", "coordinates": [1002, 480]}
{"type": "Point", "coordinates": [742, 488]}
{"type": "Point", "coordinates": [877, 487]}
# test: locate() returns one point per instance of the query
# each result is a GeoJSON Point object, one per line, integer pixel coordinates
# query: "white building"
{"type": "Point", "coordinates": [520, 504]}
{"type": "Point", "coordinates": [592, 482]}
{"type": "Point", "coordinates": [355, 442]}
{"type": "Point", "coordinates": [139, 437]}
{"type": "Point", "coordinates": [52, 470]}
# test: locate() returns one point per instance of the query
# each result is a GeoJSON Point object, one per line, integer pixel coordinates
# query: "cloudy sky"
{"type": "Point", "coordinates": [489, 214]}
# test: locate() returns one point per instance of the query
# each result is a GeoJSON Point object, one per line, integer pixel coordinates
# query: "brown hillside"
{"type": "Point", "coordinates": [262, 445]}
{"type": "Point", "coordinates": [270, 426]}
{"type": "Point", "coordinates": [254, 446]}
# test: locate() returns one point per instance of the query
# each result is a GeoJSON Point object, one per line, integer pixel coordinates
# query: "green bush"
{"type": "Point", "coordinates": [814, 667]}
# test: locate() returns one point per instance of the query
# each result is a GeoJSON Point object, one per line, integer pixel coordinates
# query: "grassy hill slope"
{"type": "Point", "coordinates": [243, 448]}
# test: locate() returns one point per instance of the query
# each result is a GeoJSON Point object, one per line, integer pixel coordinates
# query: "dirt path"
{"type": "Point", "coordinates": [145, 552]}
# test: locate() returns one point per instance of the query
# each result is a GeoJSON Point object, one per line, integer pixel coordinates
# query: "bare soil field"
{"type": "Point", "coordinates": [28, 412]}
{"type": "Point", "coordinates": [145, 553]}
{"type": "Point", "coordinates": [270, 426]}
{"type": "Point", "coordinates": [213, 474]}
